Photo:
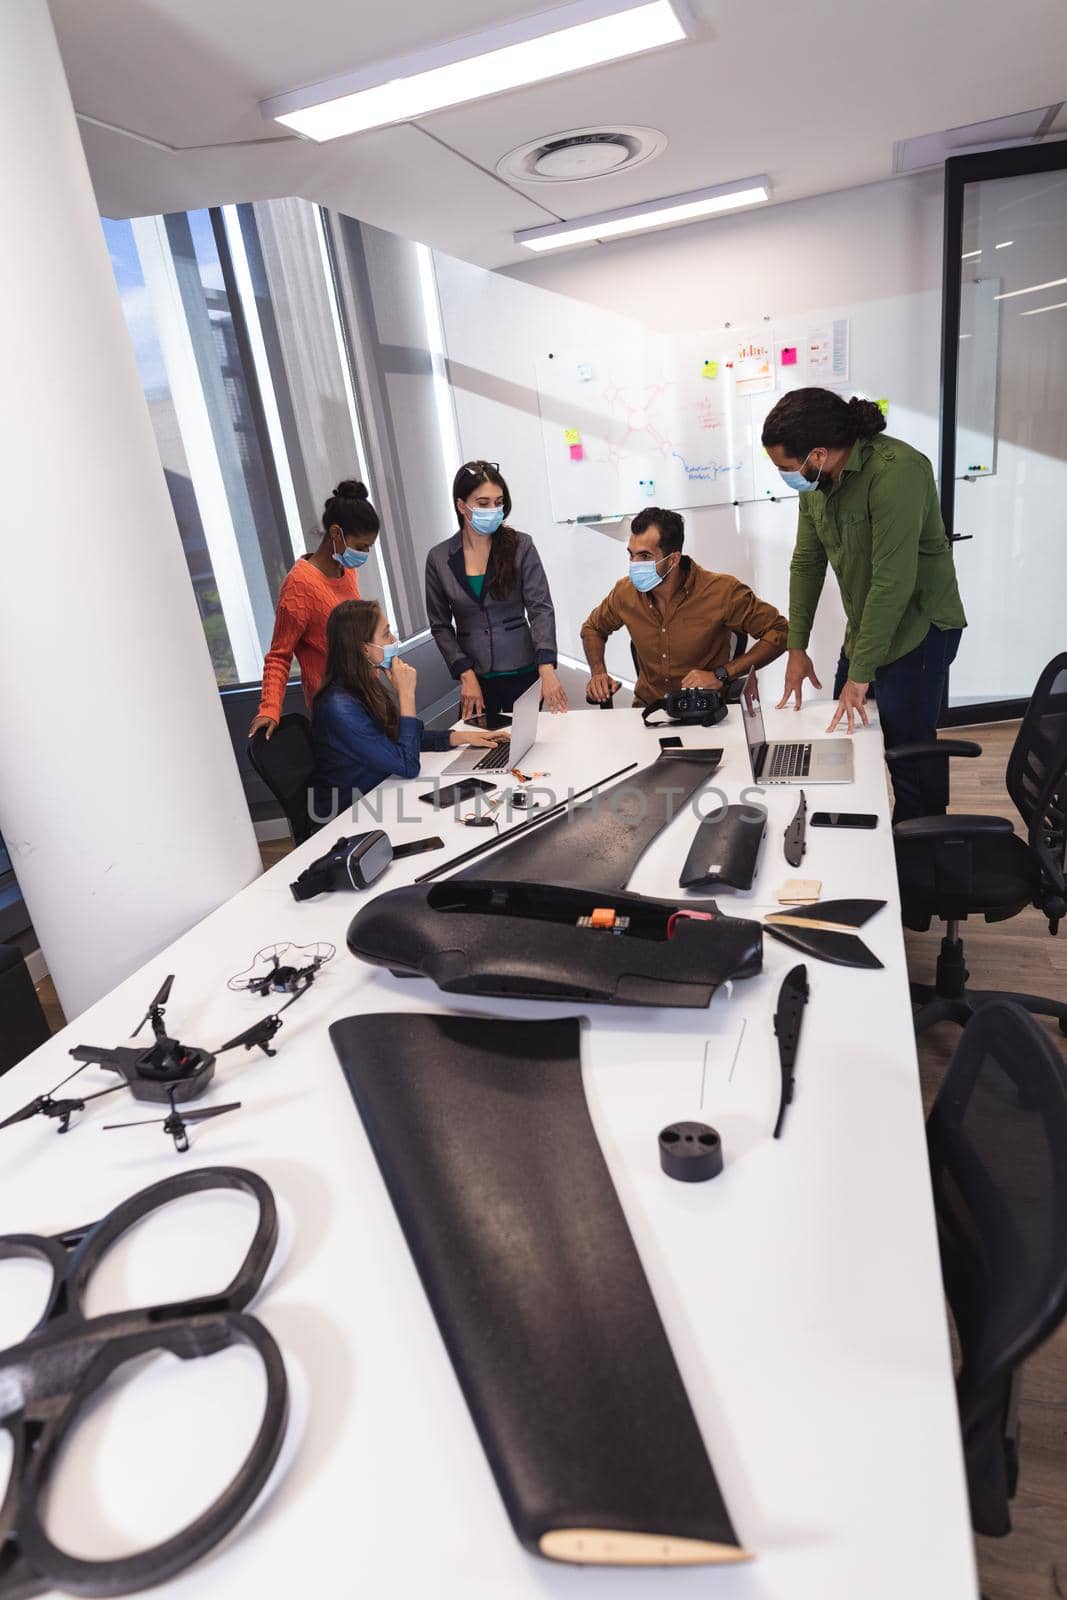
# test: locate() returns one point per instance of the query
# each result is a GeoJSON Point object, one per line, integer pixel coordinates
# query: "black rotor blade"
{"type": "Point", "coordinates": [261, 1032]}
{"type": "Point", "coordinates": [210, 1111]}
{"type": "Point", "coordinates": [32, 1107]}
{"type": "Point", "coordinates": [160, 1000]}
{"type": "Point", "coordinates": [186, 1116]}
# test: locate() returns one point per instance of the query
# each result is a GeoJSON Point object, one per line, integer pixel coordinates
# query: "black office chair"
{"type": "Point", "coordinates": [22, 1021]}
{"type": "Point", "coordinates": [286, 763]}
{"type": "Point", "coordinates": [997, 1141]}
{"type": "Point", "coordinates": [958, 866]}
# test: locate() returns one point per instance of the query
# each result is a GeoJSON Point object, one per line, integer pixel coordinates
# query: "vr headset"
{"type": "Point", "coordinates": [687, 708]}
{"type": "Point", "coordinates": [354, 863]}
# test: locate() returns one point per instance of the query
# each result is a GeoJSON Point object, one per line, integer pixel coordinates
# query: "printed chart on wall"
{"type": "Point", "coordinates": [677, 419]}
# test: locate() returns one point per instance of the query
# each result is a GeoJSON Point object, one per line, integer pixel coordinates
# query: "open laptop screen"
{"type": "Point", "coordinates": [755, 730]}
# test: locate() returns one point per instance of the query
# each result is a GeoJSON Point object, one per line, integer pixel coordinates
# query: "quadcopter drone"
{"type": "Point", "coordinates": [168, 1072]}
{"type": "Point", "coordinates": [283, 979]}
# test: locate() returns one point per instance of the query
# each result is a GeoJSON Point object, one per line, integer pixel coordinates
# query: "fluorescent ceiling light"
{"type": "Point", "coordinates": [1004, 244]}
{"type": "Point", "coordinates": [1060, 304]}
{"type": "Point", "coordinates": [565, 39]}
{"type": "Point", "coordinates": [648, 214]}
{"type": "Point", "coordinates": [969, 255]}
{"type": "Point", "coordinates": [1053, 283]}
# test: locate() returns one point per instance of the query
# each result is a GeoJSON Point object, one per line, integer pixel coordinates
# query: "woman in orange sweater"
{"type": "Point", "coordinates": [316, 584]}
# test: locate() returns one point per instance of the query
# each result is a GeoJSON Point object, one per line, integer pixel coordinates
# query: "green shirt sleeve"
{"type": "Point", "coordinates": [897, 503]}
{"type": "Point", "coordinates": [807, 571]}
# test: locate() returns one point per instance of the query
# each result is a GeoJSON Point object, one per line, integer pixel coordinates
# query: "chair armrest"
{"type": "Point", "coordinates": [950, 827]}
{"type": "Point", "coordinates": [933, 747]}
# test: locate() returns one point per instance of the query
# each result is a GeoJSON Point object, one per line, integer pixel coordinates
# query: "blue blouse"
{"type": "Point", "coordinates": [353, 752]}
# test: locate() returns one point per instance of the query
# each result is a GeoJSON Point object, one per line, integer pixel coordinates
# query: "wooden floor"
{"type": "Point", "coordinates": [1031, 1564]}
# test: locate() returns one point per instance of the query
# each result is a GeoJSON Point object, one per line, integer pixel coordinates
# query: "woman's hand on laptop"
{"type": "Point", "coordinates": [479, 736]}
{"type": "Point", "coordinates": [799, 668]}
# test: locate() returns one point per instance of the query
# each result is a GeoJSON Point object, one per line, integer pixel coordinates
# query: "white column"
{"type": "Point", "coordinates": [120, 801]}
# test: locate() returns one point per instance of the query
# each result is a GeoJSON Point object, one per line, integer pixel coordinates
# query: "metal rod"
{"type": "Point", "coordinates": [513, 833]}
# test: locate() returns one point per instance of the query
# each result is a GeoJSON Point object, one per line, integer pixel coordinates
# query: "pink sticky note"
{"type": "Point", "coordinates": [789, 355]}
{"type": "Point", "coordinates": [577, 454]}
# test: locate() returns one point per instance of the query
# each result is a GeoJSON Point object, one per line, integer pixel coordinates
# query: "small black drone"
{"type": "Point", "coordinates": [290, 978]}
{"type": "Point", "coordinates": [168, 1072]}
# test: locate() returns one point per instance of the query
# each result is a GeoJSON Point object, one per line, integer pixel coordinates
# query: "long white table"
{"type": "Point", "coordinates": [800, 1289]}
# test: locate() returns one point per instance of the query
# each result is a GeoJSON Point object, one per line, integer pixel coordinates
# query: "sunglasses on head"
{"type": "Point", "coordinates": [480, 466]}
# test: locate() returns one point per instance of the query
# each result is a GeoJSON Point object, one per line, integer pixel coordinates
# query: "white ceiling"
{"type": "Point", "coordinates": [815, 96]}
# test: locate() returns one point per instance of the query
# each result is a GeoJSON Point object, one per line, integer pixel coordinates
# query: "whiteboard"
{"type": "Point", "coordinates": [674, 419]}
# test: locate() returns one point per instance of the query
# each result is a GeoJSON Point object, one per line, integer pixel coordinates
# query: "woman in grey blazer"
{"type": "Point", "coordinates": [488, 603]}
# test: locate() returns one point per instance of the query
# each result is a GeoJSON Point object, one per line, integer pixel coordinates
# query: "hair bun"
{"type": "Point", "coordinates": [869, 418]}
{"type": "Point", "coordinates": [351, 489]}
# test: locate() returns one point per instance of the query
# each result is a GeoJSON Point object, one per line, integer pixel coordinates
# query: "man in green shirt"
{"type": "Point", "coordinates": [873, 515]}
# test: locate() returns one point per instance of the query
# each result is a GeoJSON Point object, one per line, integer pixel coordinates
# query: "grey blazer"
{"type": "Point", "coordinates": [489, 635]}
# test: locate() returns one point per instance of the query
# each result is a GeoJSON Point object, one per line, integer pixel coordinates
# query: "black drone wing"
{"type": "Point", "coordinates": [823, 930]}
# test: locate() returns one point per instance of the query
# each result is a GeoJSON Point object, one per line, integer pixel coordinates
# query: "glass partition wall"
{"type": "Point", "coordinates": [1004, 420]}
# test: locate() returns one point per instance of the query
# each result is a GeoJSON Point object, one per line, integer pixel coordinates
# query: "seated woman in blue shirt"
{"type": "Point", "coordinates": [364, 725]}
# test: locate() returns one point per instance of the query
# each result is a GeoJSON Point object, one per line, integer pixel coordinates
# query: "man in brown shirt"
{"type": "Point", "coordinates": [679, 616]}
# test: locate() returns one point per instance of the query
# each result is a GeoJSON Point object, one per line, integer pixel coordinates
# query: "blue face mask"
{"type": "Point", "coordinates": [486, 521]}
{"type": "Point", "coordinates": [644, 575]}
{"type": "Point", "coordinates": [388, 656]}
{"type": "Point", "coordinates": [796, 480]}
{"type": "Point", "coordinates": [351, 558]}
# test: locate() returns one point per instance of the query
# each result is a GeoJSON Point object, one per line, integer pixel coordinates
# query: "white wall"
{"type": "Point", "coordinates": [493, 329]}
{"type": "Point", "coordinates": [873, 253]}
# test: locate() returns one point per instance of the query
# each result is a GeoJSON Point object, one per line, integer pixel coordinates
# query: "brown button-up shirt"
{"type": "Point", "coordinates": [694, 632]}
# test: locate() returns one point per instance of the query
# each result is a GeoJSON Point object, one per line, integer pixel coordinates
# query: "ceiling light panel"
{"type": "Point", "coordinates": [666, 213]}
{"type": "Point", "coordinates": [551, 44]}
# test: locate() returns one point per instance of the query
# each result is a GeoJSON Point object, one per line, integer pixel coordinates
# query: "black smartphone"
{"type": "Point", "coordinates": [455, 792]}
{"type": "Point", "coordinates": [418, 846]}
{"type": "Point", "coordinates": [670, 742]}
{"type": "Point", "coordinates": [844, 819]}
{"type": "Point", "coordinates": [489, 720]}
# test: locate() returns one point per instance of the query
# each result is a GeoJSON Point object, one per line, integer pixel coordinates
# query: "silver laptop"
{"type": "Point", "coordinates": [814, 761]}
{"type": "Point", "coordinates": [499, 757]}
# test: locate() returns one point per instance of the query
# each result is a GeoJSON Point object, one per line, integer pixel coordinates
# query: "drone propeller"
{"type": "Point", "coordinates": [260, 1033]}
{"type": "Point", "coordinates": [38, 1104]}
{"type": "Point", "coordinates": [183, 1116]}
{"type": "Point", "coordinates": [160, 1000]}
{"type": "Point", "coordinates": [62, 1110]}
{"type": "Point", "coordinates": [176, 1122]}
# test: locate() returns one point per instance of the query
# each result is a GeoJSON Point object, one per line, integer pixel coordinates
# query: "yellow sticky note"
{"type": "Point", "coordinates": [710, 369]}
{"type": "Point", "coordinates": [572, 436]}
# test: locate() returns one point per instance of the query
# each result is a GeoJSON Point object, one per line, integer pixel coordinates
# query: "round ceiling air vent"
{"type": "Point", "coordinates": [581, 154]}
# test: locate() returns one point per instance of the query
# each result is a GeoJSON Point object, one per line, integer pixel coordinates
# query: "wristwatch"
{"type": "Point", "coordinates": [722, 674]}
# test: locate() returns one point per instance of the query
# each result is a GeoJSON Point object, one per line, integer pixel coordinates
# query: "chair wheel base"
{"type": "Point", "coordinates": [960, 1008]}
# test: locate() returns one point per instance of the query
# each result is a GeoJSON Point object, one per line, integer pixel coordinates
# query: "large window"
{"type": "Point", "coordinates": [282, 349]}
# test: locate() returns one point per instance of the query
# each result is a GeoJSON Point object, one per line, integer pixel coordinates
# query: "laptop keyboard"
{"type": "Point", "coordinates": [497, 757]}
{"type": "Point", "coordinates": [790, 761]}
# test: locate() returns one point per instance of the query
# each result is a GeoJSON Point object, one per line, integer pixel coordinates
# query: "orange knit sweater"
{"type": "Point", "coordinates": [304, 603]}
